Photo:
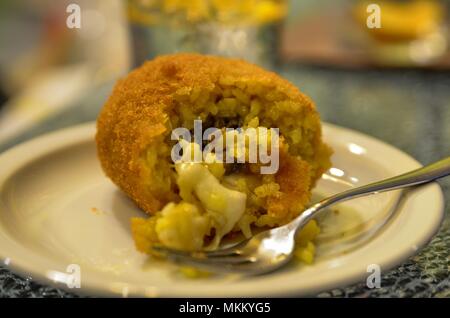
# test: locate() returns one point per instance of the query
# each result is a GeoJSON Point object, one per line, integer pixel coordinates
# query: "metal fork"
{"type": "Point", "coordinates": [271, 249]}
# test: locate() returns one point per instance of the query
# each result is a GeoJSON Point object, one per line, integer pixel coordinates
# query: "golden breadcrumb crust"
{"type": "Point", "coordinates": [136, 116]}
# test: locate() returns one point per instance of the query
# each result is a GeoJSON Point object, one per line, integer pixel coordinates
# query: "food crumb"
{"type": "Point", "coordinates": [306, 253]}
{"type": "Point", "coordinates": [192, 272]}
{"type": "Point", "coordinates": [306, 250]}
{"type": "Point", "coordinates": [97, 211]}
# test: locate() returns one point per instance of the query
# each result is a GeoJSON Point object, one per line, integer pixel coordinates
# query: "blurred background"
{"type": "Point", "coordinates": [390, 81]}
{"type": "Point", "coordinates": [55, 73]}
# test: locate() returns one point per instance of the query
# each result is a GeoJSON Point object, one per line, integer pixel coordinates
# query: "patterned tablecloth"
{"type": "Point", "coordinates": [409, 109]}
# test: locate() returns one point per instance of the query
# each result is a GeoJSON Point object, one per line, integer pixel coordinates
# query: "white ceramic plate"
{"type": "Point", "coordinates": [59, 214]}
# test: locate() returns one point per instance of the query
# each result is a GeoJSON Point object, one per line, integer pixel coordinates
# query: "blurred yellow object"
{"type": "Point", "coordinates": [193, 272]}
{"type": "Point", "coordinates": [247, 12]}
{"type": "Point", "coordinates": [139, 16]}
{"type": "Point", "coordinates": [306, 250]}
{"type": "Point", "coordinates": [305, 253]}
{"type": "Point", "coordinates": [402, 20]}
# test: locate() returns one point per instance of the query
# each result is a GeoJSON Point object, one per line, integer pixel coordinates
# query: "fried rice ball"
{"type": "Point", "coordinates": [135, 124]}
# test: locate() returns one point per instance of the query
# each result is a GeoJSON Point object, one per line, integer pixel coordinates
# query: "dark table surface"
{"type": "Point", "coordinates": [408, 109]}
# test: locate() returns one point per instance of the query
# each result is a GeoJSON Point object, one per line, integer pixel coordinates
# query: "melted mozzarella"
{"type": "Point", "coordinates": [199, 187]}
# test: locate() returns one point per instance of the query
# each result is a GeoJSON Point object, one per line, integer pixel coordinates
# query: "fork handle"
{"type": "Point", "coordinates": [420, 176]}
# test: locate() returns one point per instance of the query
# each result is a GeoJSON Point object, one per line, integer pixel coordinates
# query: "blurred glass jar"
{"type": "Point", "coordinates": [412, 31]}
{"type": "Point", "coordinates": [235, 28]}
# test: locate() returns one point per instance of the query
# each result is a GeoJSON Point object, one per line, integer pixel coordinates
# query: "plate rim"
{"type": "Point", "coordinates": [78, 134]}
